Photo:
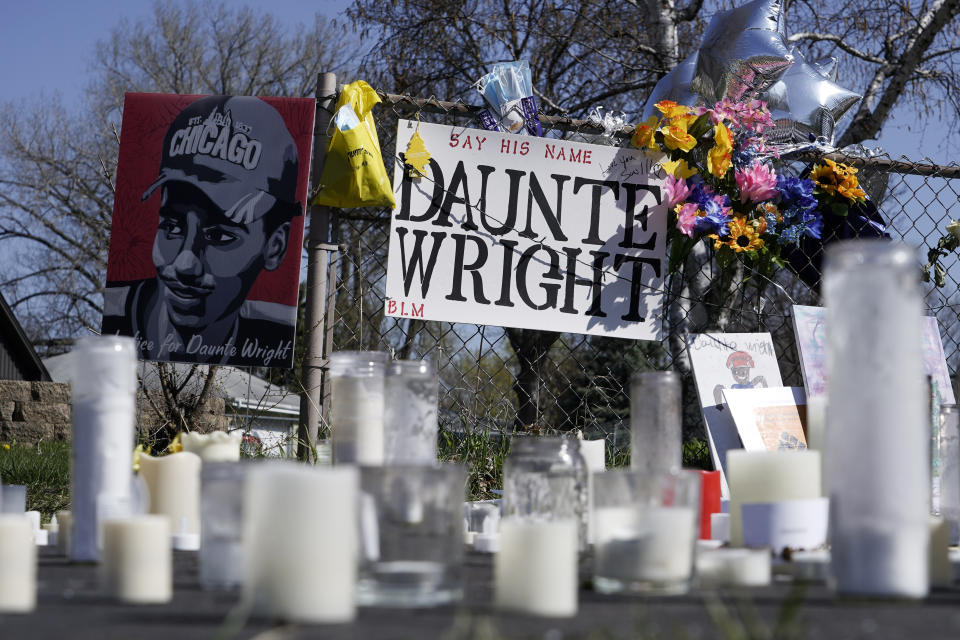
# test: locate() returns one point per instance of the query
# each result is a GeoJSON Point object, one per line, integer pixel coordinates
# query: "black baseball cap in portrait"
{"type": "Point", "coordinates": [238, 151]}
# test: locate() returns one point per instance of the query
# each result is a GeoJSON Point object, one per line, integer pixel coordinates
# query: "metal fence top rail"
{"type": "Point", "coordinates": [565, 123]}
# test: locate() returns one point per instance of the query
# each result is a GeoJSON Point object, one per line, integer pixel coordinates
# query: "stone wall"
{"type": "Point", "coordinates": [31, 412]}
{"type": "Point", "coordinates": [34, 411]}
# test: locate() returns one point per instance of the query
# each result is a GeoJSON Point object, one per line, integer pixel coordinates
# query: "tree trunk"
{"type": "Point", "coordinates": [531, 348]}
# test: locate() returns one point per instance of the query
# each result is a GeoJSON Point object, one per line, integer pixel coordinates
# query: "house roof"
{"type": "Point", "coordinates": [18, 359]}
{"type": "Point", "coordinates": [239, 389]}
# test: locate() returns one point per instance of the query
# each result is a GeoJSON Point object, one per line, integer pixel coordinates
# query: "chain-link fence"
{"type": "Point", "coordinates": [503, 380]}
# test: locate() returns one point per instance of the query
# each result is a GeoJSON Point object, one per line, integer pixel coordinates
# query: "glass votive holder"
{"type": "Point", "coordinates": [656, 421]}
{"type": "Point", "coordinates": [411, 535]}
{"type": "Point", "coordinates": [221, 531]}
{"type": "Point", "coordinates": [645, 530]}
{"type": "Point", "coordinates": [14, 498]}
{"type": "Point", "coordinates": [545, 478]}
{"type": "Point", "coordinates": [410, 412]}
{"type": "Point", "coordinates": [356, 406]}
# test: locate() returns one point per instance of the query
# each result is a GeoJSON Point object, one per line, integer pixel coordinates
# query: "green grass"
{"type": "Point", "coordinates": [44, 469]}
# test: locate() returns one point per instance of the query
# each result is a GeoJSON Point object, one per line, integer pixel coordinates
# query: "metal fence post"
{"type": "Point", "coordinates": [318, 255]}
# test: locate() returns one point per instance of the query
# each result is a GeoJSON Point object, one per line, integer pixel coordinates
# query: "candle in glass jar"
{"type": "Point", "coordinates": [64, 529]}
{"type": "Point", "coordinates": [878, 420]}
{"type": "Point", "coordinates": [137, 562]}
{"type": "Point", "coordinates": [300, 542]}
{"type": "Point", "coordinates": [769, 476]}
{"type": "Point", "coordinates": [535, 571]}
{"type": "Point", "coordinates": [410, 412]}
{"type": "Point", "coordinates": [357, 406]}
{"type": "Point", "coordinates": [174, 485]}
{"type": "Point", "coordinates": [18, 565]}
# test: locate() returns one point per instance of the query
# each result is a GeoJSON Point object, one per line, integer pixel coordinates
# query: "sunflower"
{"type": "Point", "coordinates": [744, 235]}
{"type": "Point", "coordinates": [838, 179]}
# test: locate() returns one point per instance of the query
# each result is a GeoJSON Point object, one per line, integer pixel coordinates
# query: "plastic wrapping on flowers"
{"type": "Point", "coordinates": [722, 187]}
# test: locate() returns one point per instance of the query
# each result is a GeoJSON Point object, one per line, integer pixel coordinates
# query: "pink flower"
{"type": "Point", "coordinates": [686, 217]}
{"type": "Point", "coordinates": [676, 190]}
{"type": "Point", "coordinates": [757, 183]}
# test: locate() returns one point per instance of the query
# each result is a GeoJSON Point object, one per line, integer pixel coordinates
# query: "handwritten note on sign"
{"type": "Point", "coordinates": [528, 232]}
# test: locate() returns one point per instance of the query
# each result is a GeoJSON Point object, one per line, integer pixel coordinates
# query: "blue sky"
{"type": "Point", "coordinates": [46, 46]}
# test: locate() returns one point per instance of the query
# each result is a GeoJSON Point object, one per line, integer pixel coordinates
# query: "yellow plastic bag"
{"type": "Point", "coordinates": [354, 175]}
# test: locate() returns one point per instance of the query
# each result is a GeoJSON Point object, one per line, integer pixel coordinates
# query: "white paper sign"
{"type": "Point", "coordinates": [724, 361]}
{"type": "Point", "coordinates": [769, 419]}
{"type": "Point", "coordinates": [519, 231]}
{"type": "Point", "coordinates": [794, 524]}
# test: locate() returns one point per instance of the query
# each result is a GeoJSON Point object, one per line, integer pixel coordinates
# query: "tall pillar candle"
{"type": "Point", "coordinates": [174, 485]}
{"type": "Point", "coordinates": [535, 571]}
{"type": "Point", "coordinates": [18, 565]}
{"type": "Point", "coordinates": [949, 443]}
{"type": "Point", "coordinates": [769, 476]}
{"type": "Point", "coordinates": [594, 456]}
{"type": "Point", "coordinates": [64, 531]}
{"type": "Point", "coordinates": [14, 499]}
{"type": "Point", "coordinates": [357, 406]}
{"type": "Point", "coordinates": [656, 421]}
{"type": "Point", "coordinates": [410, 412]}
{"type": "Point", "coordinates": [289, 509]}
{"type": "Point", "coordinates": [103, 394]}
{"type": "Point", "coordinates": [878, 429]}
{"type": "Point", "coordinates": [709, 501]}
{"type": "Point", "coordinates": [137, 564]}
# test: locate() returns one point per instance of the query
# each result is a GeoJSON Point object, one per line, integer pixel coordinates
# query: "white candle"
{"type": "Point", "coordinates": [64, 529]}
{"type": "Point", "coordinates": [410, 413]}
{"type": "Point", "coordinates": [356, 420]}
{"type": "Point", "coordinates": [137, 563]}
{"type": "Point", "coordinates": [594, 455]}
{"type": "Point", "coordinates": [878, 420]}
{"type": "Point", "coordinates": [18, 565]}
{"type": "Point", "coordinates": [655, 549]}
{"type": "Point", "coordinates": [535, 571]}
{"type": "Point", "coordinates": [174, 485]}
{"type": "Point", "coordinates": [300, 542]}
{"type": "Point", "coordinates": [769, 476]}
{"type": "Point", "coordinates": [218, 446]}
{"type": "Point", "coordinates": [720, 527]}
{"type": "Point", "coordinates": [357, 406]}
{"type": "Point", "coordinates": [941, 571]}
{"type": "Point", "coordinates": [103, 396]}
{"type": "Point", "coordinates": [816, 409]}
{"type": "Point", "coordinates": [734, 568]}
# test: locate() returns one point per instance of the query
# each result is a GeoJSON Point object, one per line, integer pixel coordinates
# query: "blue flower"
{"type": "Point", "coordinates": [796, 193]}
{"type": "Point", "coordinates": [813, 225]}
{"type": "Point", "coordinates": [713, 222]}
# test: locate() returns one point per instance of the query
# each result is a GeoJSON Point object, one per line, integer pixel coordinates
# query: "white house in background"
{"type": "Point", "coordinates": [266, 412]}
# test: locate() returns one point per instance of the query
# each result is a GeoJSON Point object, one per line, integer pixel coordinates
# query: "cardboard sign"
{"type": "Point", "coordinates": [810, 325]}
{"type": "Point", "coordinates": [729, 361]}
{"type": "Point", "coordinates": [528, 232]}
{"type": "Point", "coordinates": [204, 260]}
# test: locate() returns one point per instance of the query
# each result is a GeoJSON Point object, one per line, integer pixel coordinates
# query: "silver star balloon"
{"type": "Point", "coordinates": [674, 86]}
{"type": "Point", "coordinates": [743, 52]}
{"type": "Point", "coordinates": [807, 102]}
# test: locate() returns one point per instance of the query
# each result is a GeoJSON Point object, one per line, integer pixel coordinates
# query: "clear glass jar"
{"type": "Point", "coordinates": [656, 421]}
{"type": "Point", "coordinates": [410, 413]}
{"type": "Point", "coordinates": [877, 436]}
{"type": "Point", "coordinates": [545, 478]}
{"type": "Point", "coordinates": [356, 406]}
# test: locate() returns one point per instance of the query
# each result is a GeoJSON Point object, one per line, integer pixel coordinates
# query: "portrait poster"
{"type": "Point", "coordinates": [520, 231]}
{"type": "Point", "coordinates": [723, 361]}
{"type": "Point", "coordinates": [771, 419]}
{"type": "Point", "coordinates": [204, 258]}
{"type": "Point", "coordinates": [810, 326]}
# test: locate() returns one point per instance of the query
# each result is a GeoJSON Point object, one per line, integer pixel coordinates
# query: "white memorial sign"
{"type": "Point", "coordinates": [528, 232]}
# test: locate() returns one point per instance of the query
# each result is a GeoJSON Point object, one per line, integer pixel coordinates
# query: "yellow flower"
{"type": "Point", "coordinates": [684, 120]}
{"type": "Point", "coordinates": [643, 134]}
{"type": "Point", "coordinates": [744, 235]}
{"type": "Point", "coordinates": [838, 179]}
{"type": "Point", "coordinates": [6, 446]}
{"type": "Point", "coordinates": [677, 138]}
{"type": "Point", "coordinates": [679, 168]}
{"type": "Point", "coordinates": [175, 446]}
{"type": "Point", "coordinates": [671, 109]}
{"type": "Point", "coordinates": [136, 456]}
{"type": "Point", "coordinates": [720, 157]}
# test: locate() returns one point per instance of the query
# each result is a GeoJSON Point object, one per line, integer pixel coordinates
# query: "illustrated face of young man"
{"type": "Point", "coordinates": [205, 262]}
{"type": "Point", "coordinates": [741, 375]}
